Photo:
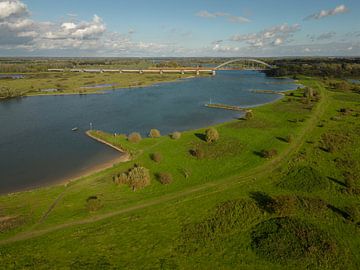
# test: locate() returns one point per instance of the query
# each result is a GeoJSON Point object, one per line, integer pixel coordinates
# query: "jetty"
{"type": "Point", "coordinates": [268, 92]}
{"type": "Point", "coordinates": [226, 107]}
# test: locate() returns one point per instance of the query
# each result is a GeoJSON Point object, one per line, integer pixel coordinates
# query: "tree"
{"type": "Point", "coordinates": [211, 135]}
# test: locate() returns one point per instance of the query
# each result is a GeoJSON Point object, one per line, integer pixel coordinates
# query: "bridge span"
{"type": "Point", "coordinates": [248, 64]}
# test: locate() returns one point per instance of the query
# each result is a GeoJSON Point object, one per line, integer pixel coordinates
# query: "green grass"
{"type": "Point", "coordinates": [215, 207]}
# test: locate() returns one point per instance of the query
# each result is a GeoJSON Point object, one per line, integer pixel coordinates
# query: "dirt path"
{"type": "Point", "coordinates": [221, 186]}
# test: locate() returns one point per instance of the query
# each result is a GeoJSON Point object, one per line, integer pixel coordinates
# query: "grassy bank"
{"type": "Point", "coordinates": [77, 83]}
{"type": "Point", "coordinates": [228, 208]}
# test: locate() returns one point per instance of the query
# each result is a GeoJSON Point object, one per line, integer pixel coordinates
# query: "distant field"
{"type": "Point", "coordinates": [279, 190]}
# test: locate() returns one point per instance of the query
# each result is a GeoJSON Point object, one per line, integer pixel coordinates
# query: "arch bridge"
{"type": "Point", "coordinates": [247, 64]}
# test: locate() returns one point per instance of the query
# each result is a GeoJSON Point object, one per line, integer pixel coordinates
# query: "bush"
{"type": "Point", "coordinates": [138, 177]}
{"type": "Point", "coordinates": [134, 137]}
{"type": "Point", "coordinates": [198, 153]}
{"type": "Point", "coordinates": [288, 138]}
{"type": "Point", "coordinates": [304, 178]}
{"type": "Point", "coordinates": [157, 157]}
{"type": "Point", "coordinates": [269, 153]}
{"type": "Point", "coordinates": [249, 114]}
{"type": "Point", "coordinates": [332, 142]}
{"type": "Point", "coordinates": [165, 178]}
{"type": "Point", "coordinates": [93, 203]}
{"type": "Point", "coordinates": [175, 135]}
{"type": "Point", "coordinates": [354, 212]}
{"type": "Point", "coordinates": [349, 182]}
{"type": "Point", "coordinates": [287, 239]}
{"type": "Point", "coordinates": [211, 135]}
{"type": "Point", "coordinates": [154, 133]}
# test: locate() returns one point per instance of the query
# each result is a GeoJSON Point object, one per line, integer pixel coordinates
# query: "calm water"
{"type": "Point", "coordinates": [37, 146]}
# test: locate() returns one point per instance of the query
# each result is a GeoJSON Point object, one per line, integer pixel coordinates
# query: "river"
{"type": "Point", "coordinates": [39, 148]}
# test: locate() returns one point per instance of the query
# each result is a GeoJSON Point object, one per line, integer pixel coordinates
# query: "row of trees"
{"type": "Point", "coordinates": [325, 67]}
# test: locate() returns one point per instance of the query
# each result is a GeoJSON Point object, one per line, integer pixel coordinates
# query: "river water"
{"type": "Point", "coordinates": [38, 146]}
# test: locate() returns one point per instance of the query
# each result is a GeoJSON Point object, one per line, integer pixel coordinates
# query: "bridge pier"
{"type": "Point", "coordinates": [214, 72]}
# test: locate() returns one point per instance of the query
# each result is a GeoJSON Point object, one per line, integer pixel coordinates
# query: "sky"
{"type": "Point", "coordinates": [187, 28]}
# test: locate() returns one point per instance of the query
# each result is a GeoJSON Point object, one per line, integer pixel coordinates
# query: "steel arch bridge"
{"type": "Point", "coordinates": [261, 65]}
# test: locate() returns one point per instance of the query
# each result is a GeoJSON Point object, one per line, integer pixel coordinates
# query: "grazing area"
{"type": "Point", "coordinates": [279, 189]}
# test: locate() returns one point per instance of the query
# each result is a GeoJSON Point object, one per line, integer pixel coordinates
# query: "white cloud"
{"type": "Point", "coordinates": [12, 8]}
{"type": "Point", "coordinates": [326, 13]}
{"type": "Point", "coordinates": [273, 36]}
{"type": "Point", "coordinates": [230, 17]}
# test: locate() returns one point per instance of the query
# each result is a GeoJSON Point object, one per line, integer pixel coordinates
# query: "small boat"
{"type": "Point", "coordinates": [75, 129]}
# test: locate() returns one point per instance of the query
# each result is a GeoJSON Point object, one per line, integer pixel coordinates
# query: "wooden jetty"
{"type": "Point", "coordinates": [268, 92]}
{"type": "Point", "coordinates": [226, 107]}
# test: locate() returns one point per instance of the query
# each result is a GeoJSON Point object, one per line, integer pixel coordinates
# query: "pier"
{"type": "Point", "coordinates": [226, 107]}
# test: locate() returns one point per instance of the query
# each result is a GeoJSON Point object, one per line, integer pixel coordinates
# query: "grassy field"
{"type": "Point", "coordinates": [45, 83]}
{"type": "Point", "coordinates": [228, 208]}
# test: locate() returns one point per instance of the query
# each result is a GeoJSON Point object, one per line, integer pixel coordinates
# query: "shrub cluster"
{"type": "Point", "coordinates": [134, 137]}
{"type": "Point", "coordinates": [137, 177]}
{"type": "Point", "coordinates": [211, 135]}
{"type": "Point", "coordinates": [154, 133]}
{"type": "Point", "coordinates": [165, 178]}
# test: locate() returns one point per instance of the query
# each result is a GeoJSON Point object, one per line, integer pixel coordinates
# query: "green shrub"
{"type": "Point", "coordinates": [154, 133]}
{"type": "Point", "coordinates": [157, 157]}
{"type": "Point", "coordinates": [354, 212]}
{"type": "Point", "coordinates": [304, 178]}
{"type": "Point", "coordinates": [134, 137]}
{"type": "Point", "coordinates": [268, 153]}
{"type": "Point", "coordinates": [165, 178]}
{"type": "Point", "coordinates": [289, 138]}
{"type": "Point", "coordinates": [175, 135]}
{"type": "Point", "coordinates": [332, 142]}
{"type": "Point", "coordinates": [211, 135]}
{"type": "Point", "coordinates": [285, 239]}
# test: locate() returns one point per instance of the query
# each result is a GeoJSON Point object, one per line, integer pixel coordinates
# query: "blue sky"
{"type": "Point", "coordinates": [179, 28]}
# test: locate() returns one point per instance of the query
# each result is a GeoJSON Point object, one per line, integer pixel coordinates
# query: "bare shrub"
{"type": "Point", "coordinates": [138, 177]}
{"type": "Point", "coordinates": [165, 178]}
{"type": "Point", "coordinates": [211, 135]}
{"type": "Point", "coordinates": [269, 153]}
{"type": "Point", "coordinates": [157, 157]}
{"type": "Point", "coordinates": [93, 203]}
{"type": "Point", "coordinates": [249, 115]}
{"type": "Point", "coordinates": [154, 133]}
{"type": "Point", "coordinates": [198, 153]}
{"type": "Point", "coordinates": [175, 135]}
{"type": "Point", "coordinates": [134, 137]}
